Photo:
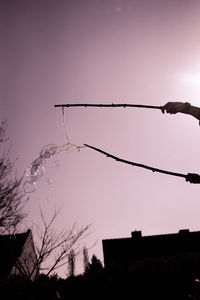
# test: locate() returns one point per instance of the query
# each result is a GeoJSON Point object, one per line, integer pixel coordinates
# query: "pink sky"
{"type": "Point", "coordinates": [104, 51]}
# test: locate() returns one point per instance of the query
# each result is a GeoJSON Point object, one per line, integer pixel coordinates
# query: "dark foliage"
{"type": "Point", "coordinates": [147, 279]}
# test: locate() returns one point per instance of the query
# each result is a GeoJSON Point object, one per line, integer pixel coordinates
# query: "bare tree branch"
{"type": "Point", "coordinates": [12, 198]}
{"type": "Point", "coordinates": [191, 177]}
{"type": "Point", "coordinates": [52, 247]}
{"type": "Point", "coordinates": [109, 105]}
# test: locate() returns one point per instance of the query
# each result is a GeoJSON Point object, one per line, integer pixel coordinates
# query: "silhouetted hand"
{"type": "Point", "coordinates": [193, 178]}
{"type": "Point", "coordinates": [175, 107]}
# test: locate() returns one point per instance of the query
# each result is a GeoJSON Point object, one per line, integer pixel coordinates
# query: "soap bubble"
{"type": "Point", "coordinates": [57, 163]}
{"type": "Point", "coordinates": [37, 162]}
{"type": "Point", "coordinates": [66, 147]}
{"type": "Point", "coordinates": [49, 150]}
{"type": "Point", "coordinates": [34, 172]}
{"type": "Point", "coordinates": [49, 181]}
{"type": "Point", "coordinates": [29, 187]}
{"type": "Point", "coordinates": [48, 199]}
{"type": "Point", "coordinates": [36, 169]}
{"type": "Point", "coordinates": [41, 171]}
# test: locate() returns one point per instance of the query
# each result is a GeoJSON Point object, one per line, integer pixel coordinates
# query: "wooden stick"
{"type": "Point", "coordinates": [190, 177]}
{"type": "Point", "coordinates": [109, 105]}
{"type": "Point", "coordinates": [136, 164]}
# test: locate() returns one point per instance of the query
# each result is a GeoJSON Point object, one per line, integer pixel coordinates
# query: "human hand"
{"type": "Point", "coordinates": [193, 178]}
{"type": "Point", "coordinates": [174, 107]}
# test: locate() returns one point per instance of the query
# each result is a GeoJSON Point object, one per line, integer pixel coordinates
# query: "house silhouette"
{"type": "Point", "coordinates": [126, 251]}
{"type": "Point", "coordinates": [17, 255]}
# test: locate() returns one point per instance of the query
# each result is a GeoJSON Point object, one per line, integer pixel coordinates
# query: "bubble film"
{"type": "Point", "coordinates": [36, 169]}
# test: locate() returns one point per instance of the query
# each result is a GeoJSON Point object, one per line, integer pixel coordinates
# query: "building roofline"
{"type": "Point", "coordinates": [181, 232]}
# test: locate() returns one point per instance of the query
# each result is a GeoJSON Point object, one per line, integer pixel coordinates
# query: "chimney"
{"type": "Point", "coordinates": [136, 234]}
{"type": "Point", "coordinates": [183, 231]}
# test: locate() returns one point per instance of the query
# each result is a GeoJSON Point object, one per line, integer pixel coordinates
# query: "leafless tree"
{"type": "Point", "coordinates": [71, 263]}
{"type": "Point", "coordinates": [52, 249]}
{"type": "Point", "coordinates": [85, 259]}
{"type": "Point", "coordinates": [12, 197]}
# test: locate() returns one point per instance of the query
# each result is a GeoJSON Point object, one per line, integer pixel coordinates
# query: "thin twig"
{"type": "Point", "coordinates": [136, 164]}
{"type": "Point", "coordinates": [109, 105]}
{"type": "Point", "coordinates": [190, 177]}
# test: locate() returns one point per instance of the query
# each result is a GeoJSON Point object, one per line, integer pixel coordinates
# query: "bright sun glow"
{"type": "Point", "coordinates": [189, 87]}
{"type": "Point", "coordinates": [192, 79]}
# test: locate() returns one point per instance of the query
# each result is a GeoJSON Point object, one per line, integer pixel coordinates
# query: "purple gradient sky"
{"type": "Point", "coordinates": [104, 51]}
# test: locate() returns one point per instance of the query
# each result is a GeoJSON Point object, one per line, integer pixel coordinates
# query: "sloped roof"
{"type": "Point", "coordinates": [11, 247]}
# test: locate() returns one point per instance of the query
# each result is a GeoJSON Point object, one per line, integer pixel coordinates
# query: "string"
{"type": "Point", "coordinates": [64, 126]}
{"type": "Point", "coordinates": [69, 143]}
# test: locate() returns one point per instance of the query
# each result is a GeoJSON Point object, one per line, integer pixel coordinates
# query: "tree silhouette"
{"type": "Point", "coordinates": [53, 248]}
{"type": "Point", "coordinates": [12, 197]}
{"type": "Point", "coordinates": [95, 267]}
{"type": "Point", "coordinates": [71, 263]}
{"type": "Point", "coordinates": [85, 259]}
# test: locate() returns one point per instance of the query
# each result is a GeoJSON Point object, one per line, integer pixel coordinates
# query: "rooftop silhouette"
{"type": "Point", "coordinates": [137, 247]}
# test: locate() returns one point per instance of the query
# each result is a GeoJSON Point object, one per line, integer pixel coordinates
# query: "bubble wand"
{"type": "Point", "coordinates": [190, 177]}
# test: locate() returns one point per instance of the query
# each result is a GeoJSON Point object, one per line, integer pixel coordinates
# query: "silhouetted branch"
{"type": "Point", "coordinates": [12, 198]}
{"type": "Point", "coordinates": [109, 105]}
{"type": "Point", "coordinates": [52, 248]}
{"type": "Point", "coordinates": [191, 177]}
